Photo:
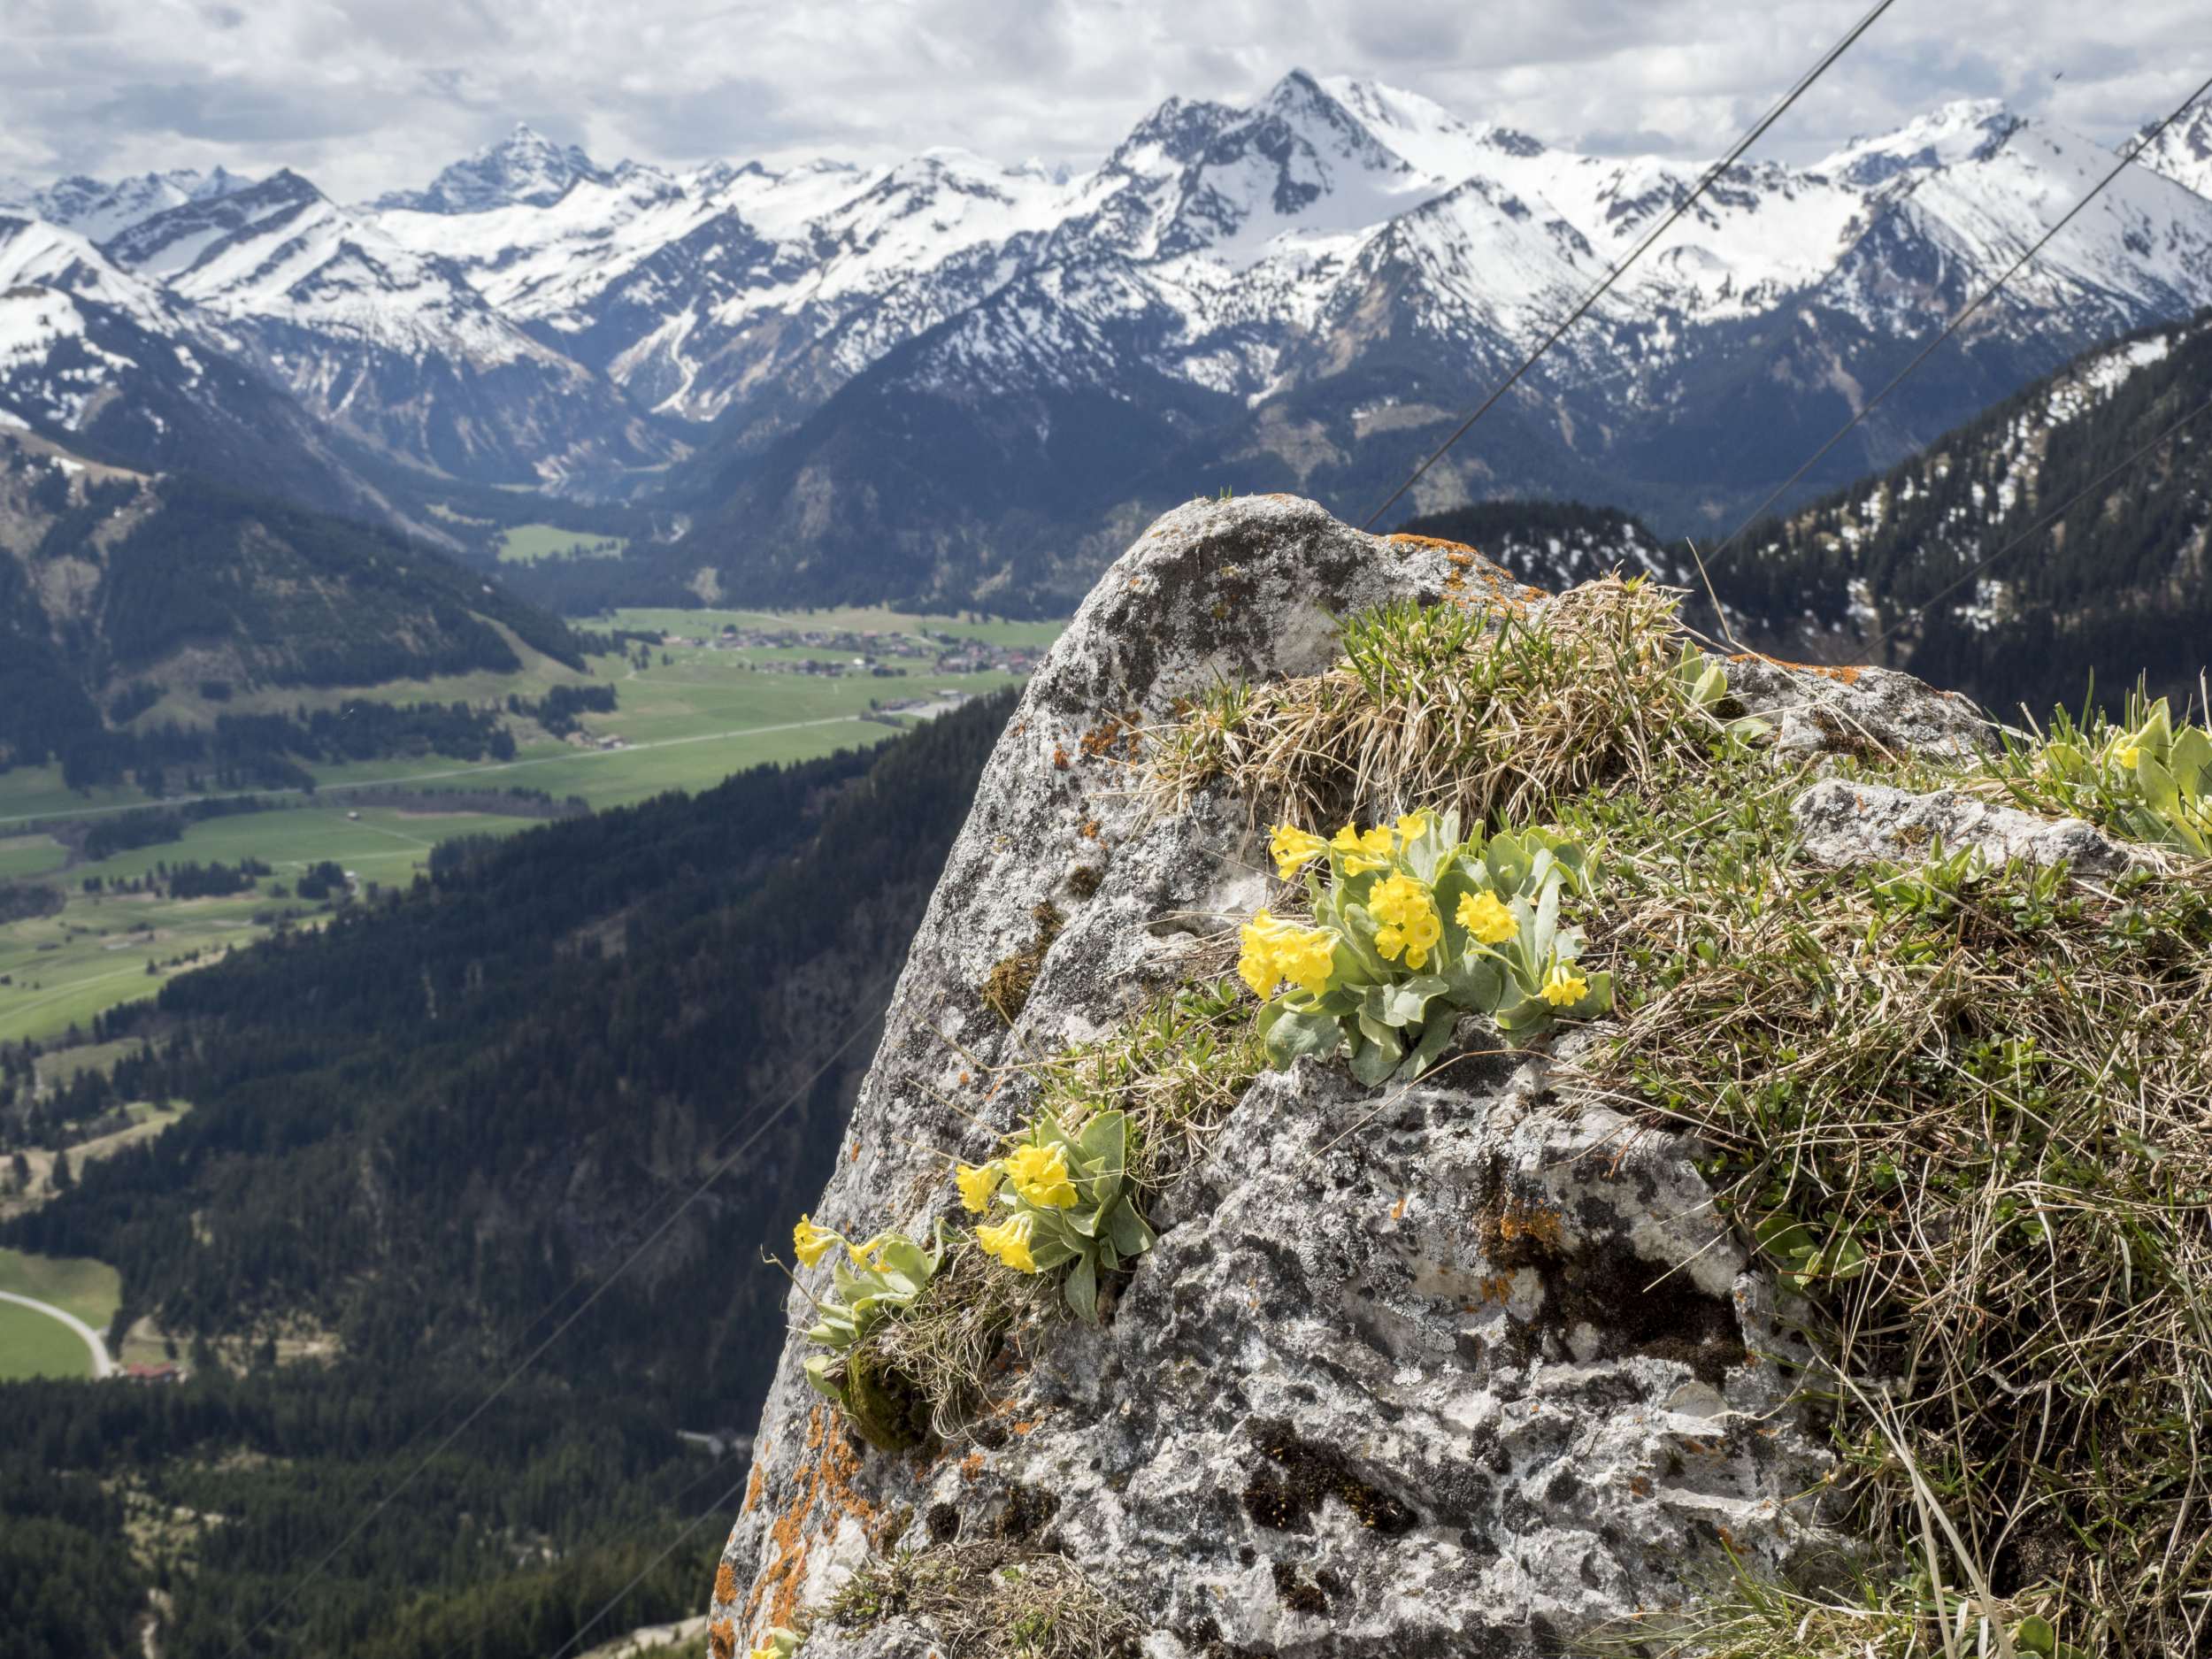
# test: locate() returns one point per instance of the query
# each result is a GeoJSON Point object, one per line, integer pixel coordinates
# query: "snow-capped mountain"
{"type": "Point", "coordinates": [395, 346]}
{"type": "Point", "coordinates": [525, 168]}
{"type": "Point", "coordinates": [2183, 152]}
{"type": "Point", "coordinates": [96, 208]}
{"type": "Point", "coordinates": [1302, 293]}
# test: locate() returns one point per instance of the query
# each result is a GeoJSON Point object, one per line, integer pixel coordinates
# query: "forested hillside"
{"type": "Point", "coordinates": [2118, 585]}
{"type": "Point", "coordinates": [119, 590]}
{"type": "Point", "coordinates": [425, 1133]}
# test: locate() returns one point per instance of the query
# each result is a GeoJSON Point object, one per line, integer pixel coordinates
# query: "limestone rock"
{"type": "Point", "coordinates": [1848, 823]}
{"type": "Point", "coordinates": [1856, 711]}
{"type": "Point", "coordinates": [1441, 1370]}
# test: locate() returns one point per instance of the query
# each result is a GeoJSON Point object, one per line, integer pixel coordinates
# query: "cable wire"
{"type": "Point", "coordinates": [1712, 175]}
{"type": "Point", "coordinates": [569, 1647]}
{"type": "Point", "coordinates": [2127, 158]}
{"type": "Point", "coordinates": [530, 1358]}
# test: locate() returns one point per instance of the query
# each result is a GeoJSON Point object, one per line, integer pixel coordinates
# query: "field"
{"type": "Point", "coordinates": [686, 720]}
{"type": "Point", "coordinates": [33, 1345]}
{"type": "Point", "coordinates": [23, 856]}
{"type": "Point", "coordinates": [526, 543]}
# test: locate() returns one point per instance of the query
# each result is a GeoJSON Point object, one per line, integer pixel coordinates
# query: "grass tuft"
{"type": "Point", "coordinates": [1499, 715]}
{"type": "Point", "coordinates": [991, 1599]}
{"type": "Point", "coordinates": [944, 1346]}
{"type": "Point", "coordinates": [1967, 1112]}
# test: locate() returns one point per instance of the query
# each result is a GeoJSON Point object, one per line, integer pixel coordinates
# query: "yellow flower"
{"type": "Point", "coordinates": [1293, 848]}
{"type": "Point", "coordinates": [1411, 824]}
{"type": "Point", "coordinates": [1565, 987]}
{"type": "Point", "coordinates": [1039, 1174]}
{"type": "Point", "coordinates": [1362, 853]}
{"type": "Point", "coordinates": [1484, 916]}
{"type": "Point", "coordinates": [2126, 755]}
{"type": "Point", "coordinates": [1009, 1242]}
{"type": "Point", "coordinates": [978, 1184]}
{"type": "Point", "coordinates": [1307, 959]}
{"type": "Point", "coordinates": [811, 1243]}
{"type": "Point", "coordinates": [1256, 963]}
{"type": "Point", "coordinates": [1398, 900]}
{"type": "Point", "coordinates": [862, 1253]}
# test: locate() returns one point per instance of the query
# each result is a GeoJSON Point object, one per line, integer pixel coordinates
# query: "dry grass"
{"type": "Point", "coordinates": [1975, 1109]}
{"type": "Point", "coordinates": [1450, 706]}
{"type": "Point", "coordinates": [1177, 1069]}
{"type": "Point", "coordinates": [992, 1599]}
{"type": "Point", "coordinates": [945, 1344]}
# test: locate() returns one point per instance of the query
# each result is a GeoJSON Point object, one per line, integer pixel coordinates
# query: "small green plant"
{"type": "Point", "coordinates": [1702, 683]}
{"type": "Point", "coordinates": [1068, 1203]}
{"type": "Point", "coordinates": [1412, 925]}
{"type": "Point", "coordinates": [2143, 778]}
{"type": "Point", "coordinates": [780, 1643]}
{"type": "Point", "coordinates": [874, 1281]}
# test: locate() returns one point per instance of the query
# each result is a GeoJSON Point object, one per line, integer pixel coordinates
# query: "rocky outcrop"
{"type": "Point", "coordinates": [1845, 823]}
{"type": "Point", "coordinates": [1449, 1369]}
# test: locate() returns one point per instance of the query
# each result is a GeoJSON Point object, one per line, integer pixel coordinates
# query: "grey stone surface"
{"type": "Point", "coordinates": [1857, 711]}
{"type": "Point", "coordinates": [1443, 1371]}
{"type": "Point", "coordinates": [1845, 823]}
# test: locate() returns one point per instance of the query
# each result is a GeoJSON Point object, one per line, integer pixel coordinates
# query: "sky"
{"type": "Point", "coordinates": [364, 96]}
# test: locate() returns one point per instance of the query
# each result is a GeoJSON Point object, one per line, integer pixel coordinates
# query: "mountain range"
{"type": "Point", "coordinates": [950, 380]}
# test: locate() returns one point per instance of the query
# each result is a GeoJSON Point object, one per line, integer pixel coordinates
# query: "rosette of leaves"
{"type": "Point", "coordinates": [1485, 936]}
{"type": "Point", "coordinates": [1702, 682]}
{"type": "Point", "coordinates": [2157, 782]}
{"type": "Point", "coordinates": [869, 1283]}
{"type": "Point", "coordinates": [1066, 1201]}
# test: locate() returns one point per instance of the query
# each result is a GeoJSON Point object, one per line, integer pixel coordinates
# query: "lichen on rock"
{"type": "Point", "coordinates": [1461, 1366]}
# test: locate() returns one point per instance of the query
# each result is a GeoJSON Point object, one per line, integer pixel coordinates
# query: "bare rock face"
{"type": "Point", "coordinates": [1848, 823]}
{"type": "Point", "coordinates": [1856, 711]}
{"type": "Point", "coordinates": [1445, 1369]}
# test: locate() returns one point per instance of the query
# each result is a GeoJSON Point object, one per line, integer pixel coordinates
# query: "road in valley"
{"type": "Point", "coordinates": [102, 1365]}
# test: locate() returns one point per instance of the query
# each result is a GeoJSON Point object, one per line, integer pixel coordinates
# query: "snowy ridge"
{"type": "Point", "coordinates": [586, 314]}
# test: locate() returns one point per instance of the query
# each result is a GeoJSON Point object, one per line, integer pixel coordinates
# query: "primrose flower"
{"type": "Point", "coordinates": [1407, 911]}
{"type": "Point", "coordinates": [1362, 853]}
{"type": "Point", "coordinates": [1009, 1242]}
{"type": "Point", "coordinates": [862, 1255]}
{"type": "Point", "coordinates": [1411, 824]}
{"type": "Point", "coordinates": [2126, 755]}
{"type": "Point", "coordinates": [1293, 848]}
{"type": "Point", "coordinates": [1564, 988]}
{"type": "Point", "coordinates": [1483, 915]}
{"type": "Point", "coordinates": [977, 1184]}
{"type": "Point", "coordinates": [811, 1243]}
{"type": "Point", "coordinates": [1039, 1174]}
{"type": "Point", "coordinates": [1275, 951]}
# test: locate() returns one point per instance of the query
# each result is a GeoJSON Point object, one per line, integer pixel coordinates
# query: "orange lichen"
{"type": "Point", "coordinates": [1539, 1226]}
{"type": "Point", "coordinates": [1843, 675]}
{"type": "Point", "coordinates": [1428, 540]}
{"type": "Point", "coordinates": [721, 1639]}
{"type": "Point", "coordinates": [1089, 831]}
{"type": "Point", "coordinates": [725, 1584]}
{"type": "Point", "coordinates": [1060, 757]}
{"type": "Point", "coordinates": [823, 1496]}
{"type": "Point", "coordinates": [755, 1486]}
{"type": "Point", "coordinates": [1116, 730]}
{"type": "Point", "coordinates": [971, 1466]}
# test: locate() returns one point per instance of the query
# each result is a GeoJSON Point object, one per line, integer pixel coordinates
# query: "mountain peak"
{"type": "Point", "coordinates": [1965, 129]}
{"type": "Point", "coordinates": [525, 168]}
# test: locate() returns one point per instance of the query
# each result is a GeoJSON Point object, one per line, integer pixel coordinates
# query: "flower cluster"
{"type": "Point", "coordinates": [1412, 924]}
{"type": "Point", "coordinates": [1065, 1201]}
{"type": "Point", "coordinates": [2156, 782]}
{"type": "Point", "coordinates": [878, 1278]}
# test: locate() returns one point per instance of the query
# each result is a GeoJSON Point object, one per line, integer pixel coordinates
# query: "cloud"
{"type": "Point", "coordinates": [369, 95]}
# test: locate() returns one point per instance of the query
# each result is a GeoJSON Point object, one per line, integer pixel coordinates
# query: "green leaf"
{"type": "Point", "coordinates": [1373, 1063]}
{"type": "Point", "coordinates": [1292, 1034]}
{"type": "Point", "coordinates": [1434, 1038]}
{"type": "Point", "coordinates": [1082, 1290]}
{"type": "Point", "coordinates": [2035, 1635]}
{"type": "Point", "coordinates": [1129, 1231]}
{"type": "Point", "coordinates": [1104, 1141]}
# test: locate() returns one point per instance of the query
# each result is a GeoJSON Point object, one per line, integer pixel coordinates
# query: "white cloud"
{"type": "Point", "coordinates": [367, 94]}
